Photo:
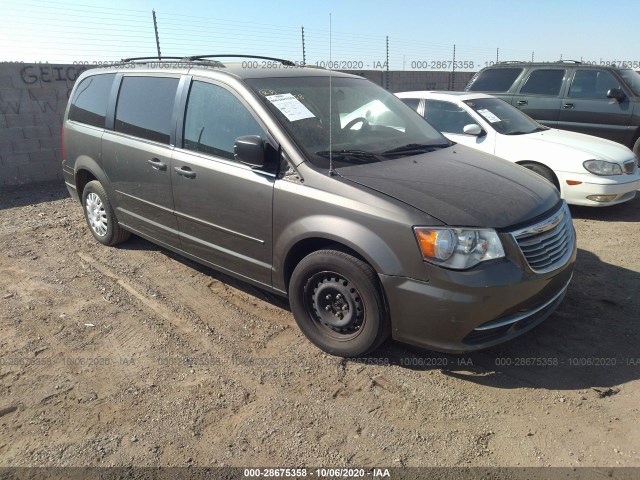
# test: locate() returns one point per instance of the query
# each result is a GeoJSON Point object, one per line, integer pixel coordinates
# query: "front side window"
{"type": "Point", "coordinates": [544, 82]}
{"type": "Point", "coordinates": [89, 102]}
{"type": "Point", "coordinates": [414, 103]}
{"type": "Point", "coordinates": [494, 80]}
{"type": "Point", "coordinates": [633, 80]}
{"type": "Point", "coordinates": [145, 106]}
{"type": "Point", "coordinates": [214, 119]}
{"type": "Point", "coordinates": [447, 116]}
{"type": "Point", "coordinates": [592, 84]}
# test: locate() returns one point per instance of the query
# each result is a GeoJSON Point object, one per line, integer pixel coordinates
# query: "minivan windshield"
{"type": "Point", "coordinates": [503, 117]}
{"type": "Point", "coordinates": [363, 124]}
{"type": "Point", "coordinates": [633, 80]}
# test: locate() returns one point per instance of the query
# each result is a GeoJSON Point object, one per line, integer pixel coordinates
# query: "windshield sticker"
{"type": "Point", "coordinates": [488, 115]}
{"type": "Point", "coordinates": [290, 107]}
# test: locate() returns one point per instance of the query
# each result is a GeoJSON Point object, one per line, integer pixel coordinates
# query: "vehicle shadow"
{"type": "Point", "coordinates": [20, 196]}
{"type": "Point", "coordinates": [591, 341]}
{"type": "Point", "coordinates": [624, 212]}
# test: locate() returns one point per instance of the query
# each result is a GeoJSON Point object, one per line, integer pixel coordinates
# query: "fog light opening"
{"type": "Point", "coordinates": [602, 198]}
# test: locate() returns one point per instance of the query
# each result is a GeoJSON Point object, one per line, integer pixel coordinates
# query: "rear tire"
{"type": "Point", "coordinates": [338, 304]}
{"type": "Point", "coordinates": [543, 171]}
{"type": "Point", "coordinates": [100, 216]}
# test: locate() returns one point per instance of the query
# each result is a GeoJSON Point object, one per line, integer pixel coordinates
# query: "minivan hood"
{"type": "Point", "coordinates": [460, 187]}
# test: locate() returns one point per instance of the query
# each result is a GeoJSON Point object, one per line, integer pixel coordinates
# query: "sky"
{"type": "Point", "coordinates": [421, 34]}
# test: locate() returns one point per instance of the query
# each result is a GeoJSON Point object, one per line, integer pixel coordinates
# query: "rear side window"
{"type": "Point", "coordinates": [592, 84]}
{"type": "Point", "coordinates": [145, 106]}
{"type": "Point", "coordinates": [544, 82]}
{"type": "Point", "coordinates": [214, 119]}
{"type": "Point", "coordinates": [495, 80]}
{"type": "Point", "coordinates": [89, 102]}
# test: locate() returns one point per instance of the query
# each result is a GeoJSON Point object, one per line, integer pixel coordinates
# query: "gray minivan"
{"type": "Point", "coordinates": [282, 176]}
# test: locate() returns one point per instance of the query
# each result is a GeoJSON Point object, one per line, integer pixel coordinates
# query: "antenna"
{"type": "Point", "coordinates": [331, 172]}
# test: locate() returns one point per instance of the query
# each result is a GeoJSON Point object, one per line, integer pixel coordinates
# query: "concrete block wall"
{"type": "Point", "coordinates": [33, 98]}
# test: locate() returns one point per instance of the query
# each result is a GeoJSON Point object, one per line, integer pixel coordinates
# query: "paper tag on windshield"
{"type": "Point", "coordinates": [290, 107]}
{"type": "Point", "coordinates": [488, 115]}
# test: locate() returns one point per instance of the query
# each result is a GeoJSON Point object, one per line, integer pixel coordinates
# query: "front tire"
{"type": "Point", "coordinates": [636, 148]}
{"type": "Point", "coordinates": [544, 172]}
{"type": "Point", "coordinates": [100, 216]}
{"type": "Point", "coordinates": [338, 304]}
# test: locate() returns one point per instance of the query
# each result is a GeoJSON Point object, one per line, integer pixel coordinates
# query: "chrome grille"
{"type": "Point", "coordinates": [547, 245]}
{"type": "Point", "coordinates": [630, 167]}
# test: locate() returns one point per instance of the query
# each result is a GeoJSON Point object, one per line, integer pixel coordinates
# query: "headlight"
{"type": "Point", "coordinates": [458, 248]}
{"type": "Point", "coordinates": [600, 167]}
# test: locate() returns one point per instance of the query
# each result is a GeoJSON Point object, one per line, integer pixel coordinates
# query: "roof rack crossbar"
{"type": "Point", "coordinates": [288, 63]}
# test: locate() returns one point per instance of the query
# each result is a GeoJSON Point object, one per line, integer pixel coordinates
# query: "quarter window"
{"type": "Point", "coordinates": [592, 84]}
{"type": "Point", "coordinates": [446, 116]}
{"type": "Point", "coordinates": [214, 119]}
{"type": "Point", "coordinates": [145, 106]}
{"type": "Point", "coordinates": [495, 80]}
{"type": "Point", "coordinates": [544, 82]}
{"type": "Point", "coordinates": [89, 103]}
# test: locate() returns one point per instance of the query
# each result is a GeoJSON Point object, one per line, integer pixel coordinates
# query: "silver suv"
{"type": "Point", "coordinates": [324, 188]}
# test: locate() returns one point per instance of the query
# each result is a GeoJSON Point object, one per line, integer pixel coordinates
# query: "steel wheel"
{"type": "Point", "coordinates": [337, 302]}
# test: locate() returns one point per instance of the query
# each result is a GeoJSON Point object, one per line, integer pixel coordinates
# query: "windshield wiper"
{"type": "Point", "coordinates": [413, 149]}
{"type": "Point", "coordinates": [520, 132]}
{"type": "Point", "coordinates": [351, 155]}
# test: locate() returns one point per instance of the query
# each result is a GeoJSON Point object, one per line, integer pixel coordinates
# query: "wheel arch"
{"type": "Point", "coordinates": [522, 163]}
{"type": "Point", "coordinates": [359, 242]}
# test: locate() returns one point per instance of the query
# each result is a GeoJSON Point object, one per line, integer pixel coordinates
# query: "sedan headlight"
{"type": "Point", "coordinates": [600, 167]}
{"type": "Point", "coordinates": [458, 248]}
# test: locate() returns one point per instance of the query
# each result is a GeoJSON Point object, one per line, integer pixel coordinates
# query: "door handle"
{"type": "Point", "coordinates": [185, 172]}
{"type": "Point", "coordinates": [157, 164]}
{"type": "Point", "coordinates": [568, 106]}
{"type": "Point", "coordinates": [522, 102]}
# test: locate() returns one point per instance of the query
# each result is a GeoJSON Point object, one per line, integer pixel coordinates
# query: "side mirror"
{"type": "Point", "coordinates": [473, 129]}
{"type": "Point", "coordinates": [616, 93]}
{"type": "Point", "coordinates": [249, 149]}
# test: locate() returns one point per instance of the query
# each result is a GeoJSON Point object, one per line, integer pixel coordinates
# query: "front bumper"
{"type": "Point", "coordinates": [624, 188]}
{"type": "Point", "coordinates": [463, 311]}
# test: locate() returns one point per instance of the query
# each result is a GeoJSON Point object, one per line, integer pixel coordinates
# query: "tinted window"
{"type": "Point", "coordinates": [446, 116]}
{"type": "Point", "coordinates": [544, 82]}
{"type": "Point", "coordinates": [633, 80]}
{"type": "Point", "coordinates": [412, 102]}
{"type": "Point", "coordinates": [495, 80]}
{"type": "Point", "coordinates": [89, 103]}
{"type": "Point", "coordinates": [214, 119]}
{"type": "Point", "coordinates": [592, 84]}
{"type": "Point", "coordinates": [144, 107]}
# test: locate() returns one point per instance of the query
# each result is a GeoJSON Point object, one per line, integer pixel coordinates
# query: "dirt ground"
{"type": "Point", "coordinates": [135, 356]}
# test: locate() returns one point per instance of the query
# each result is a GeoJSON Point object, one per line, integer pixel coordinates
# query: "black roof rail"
{"type": "Point", "coordinates": [156, 58]}
{"type": "Point", "coordinates": [288, 63]}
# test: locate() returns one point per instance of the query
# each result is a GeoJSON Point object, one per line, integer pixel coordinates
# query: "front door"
{"type": "Point", "coordinates": [223, 208]}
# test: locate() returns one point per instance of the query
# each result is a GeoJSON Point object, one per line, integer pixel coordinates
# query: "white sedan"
{"type": "Point", "coordinates": [586, 170]}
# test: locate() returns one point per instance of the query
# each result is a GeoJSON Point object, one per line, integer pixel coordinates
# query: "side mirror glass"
{"type": "Point", "coordinates": [616, 93]}
{"type": "Point", "coordinates": [472, 129]}
{"type": "Point", "coordinates": [249, 149]}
